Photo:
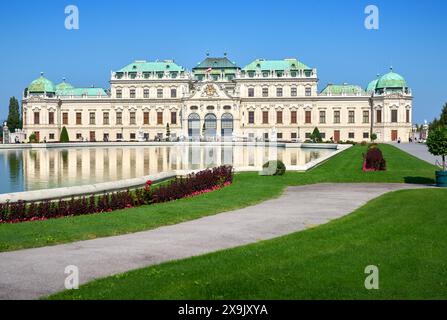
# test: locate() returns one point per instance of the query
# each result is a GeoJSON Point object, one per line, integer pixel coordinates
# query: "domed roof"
{"type": "Point", "coordinates": [372, 85]}
{"type": "Point", "coordinates": [64, 86]}
{"type": "Point", "coordinates": [391, 80]}
{"type": "Point", "coordinates": [41, 84]}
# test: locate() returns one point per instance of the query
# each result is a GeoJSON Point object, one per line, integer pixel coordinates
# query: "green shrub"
{"type": "Point", "coordinates": [316, 136]}
{"type": "Point", "coordinates": [32, 138]}
{"type": "Point", "coordinates": [273, 168]}
{"type": "Point", "coordinates": [64, 135]}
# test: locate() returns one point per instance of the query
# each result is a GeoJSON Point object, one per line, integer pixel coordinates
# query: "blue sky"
{"type": "Point", "coordinates": [326, 34]}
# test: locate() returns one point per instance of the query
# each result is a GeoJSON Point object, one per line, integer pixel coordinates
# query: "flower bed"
{"type": "Point", "coordinates": [194, 184]}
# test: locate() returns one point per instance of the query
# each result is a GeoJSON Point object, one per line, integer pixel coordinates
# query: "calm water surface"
{"type": "Point", "coordinates": [22, 170]}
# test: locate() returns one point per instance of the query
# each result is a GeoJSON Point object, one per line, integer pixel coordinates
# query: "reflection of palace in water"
{"type": "Point", "coordinates": [48, 168]}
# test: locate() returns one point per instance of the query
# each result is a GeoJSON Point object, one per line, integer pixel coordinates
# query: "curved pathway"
{"type": "Point", "coordinates": [32, 273]}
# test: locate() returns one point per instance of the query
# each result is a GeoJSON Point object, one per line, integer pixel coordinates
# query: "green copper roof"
{"type": "Point", "coordinates": [156, 66]}
{"type": "Point", "coordinates": [343, 88]}
{"type": "Point", "coordinates": [391, 80]}
{"type": "Point", "coordinates": [41, 84]}
{"type": "Point", "coordinates": [79, 92]}
{"type": "Point", "coordinates": [372, 85]}
{"type": "Point", "coordinates": [216, 63]}
{"type": "Point", "coordinates": [63, 86]}
{"type": "Point", "coordinates": [276, 65]}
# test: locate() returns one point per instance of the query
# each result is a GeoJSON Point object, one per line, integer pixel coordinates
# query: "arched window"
{"type": "Point", "coordinates": [227, 125]}
{"type": "Point", "coordinates": [210, 125]}
{"type": "Point", "coordinates": [194, 125]}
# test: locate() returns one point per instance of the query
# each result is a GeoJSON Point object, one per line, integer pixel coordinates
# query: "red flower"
{"type": "Point", "coordinates": [148, 182]}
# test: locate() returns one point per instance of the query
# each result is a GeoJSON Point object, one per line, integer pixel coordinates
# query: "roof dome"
{"type": "Point", "coordinates": [372, 85]}
{"type": "Point", "coordinates": [64, 86]}
{"type": "Point", "coordinates": [41, 84]}
{"type": "Point", "coordinates": [391, 80]}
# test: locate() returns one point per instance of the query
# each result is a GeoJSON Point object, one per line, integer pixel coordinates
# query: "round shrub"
{"type": "Point", "coordinates": [274, 168]}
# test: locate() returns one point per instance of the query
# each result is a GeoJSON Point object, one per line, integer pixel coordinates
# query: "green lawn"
{"type": "Point", "coordinates": [403, 233]}
{"type": "Point", "coordinates": [247, 189]}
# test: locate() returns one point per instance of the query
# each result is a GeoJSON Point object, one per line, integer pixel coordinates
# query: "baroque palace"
{"type": "Point", "coordinates": [217, 100]}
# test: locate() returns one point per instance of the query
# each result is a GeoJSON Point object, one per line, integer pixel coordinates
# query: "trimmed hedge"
{"type": "Point", "coordinates": [274, 168]}
{"type": "Point", "coordinates": [194, 184]}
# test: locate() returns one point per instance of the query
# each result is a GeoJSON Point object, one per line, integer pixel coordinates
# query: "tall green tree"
{"type": "Point", "coordinates": [64, 135]}
{"type": "Point", "coordinates": [442, 121]}
{"type": "Point", "coordinates": [316, 136]}
{"type": "Point", "coordinates": [14, 119]}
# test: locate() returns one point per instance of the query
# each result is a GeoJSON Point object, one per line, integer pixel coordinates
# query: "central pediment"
{"type": "Point", "coordinates": [210, 90]}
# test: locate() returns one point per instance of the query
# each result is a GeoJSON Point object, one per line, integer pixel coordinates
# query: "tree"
{"type": "Point", "coordinates": [64, 135]}
{"type": "Point", "coordinates": [437, 144]}
{"type": "Point", "coordinates": [316, 136]}
{"type": "Point", "coordinates": [168, 131]}
{"type": "Point", "coordinates": [442, 121]}
{"type": "Point", "coordinates": [373, 137]}
{"type": "Point", "coordinates": [14, 121]}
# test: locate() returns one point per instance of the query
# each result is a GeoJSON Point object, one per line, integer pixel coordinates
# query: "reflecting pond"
{"type": "Point", "coordinates": [22, 170]}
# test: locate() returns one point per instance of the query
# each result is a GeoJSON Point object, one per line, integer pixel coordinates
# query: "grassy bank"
{"type": "Point", "coordinates": [247, 189]}
{"type": "Point", "coordinates": [402, 233]}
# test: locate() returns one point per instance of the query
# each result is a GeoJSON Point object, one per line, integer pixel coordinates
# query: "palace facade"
{"type": "Point", "coordinates": [216, 100]}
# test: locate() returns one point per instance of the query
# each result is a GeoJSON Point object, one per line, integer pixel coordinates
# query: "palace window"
{"type": "Point", "coordinates": [119, 93]}
{"type": "Point", "coordinates": [36, 118]}
{"type": "Point", "coordinates": [132, 93]}
{"type": "Point", "coordinates": [307, 135]}
{"type": "Point", "coordinates": [251, 92]}
{"type": "Point", "coordinates": [351, 116]}
{"type": "Point", "coordinates": [78, 118]}
{"type": "Point", "coordinates": [92, 118]}
{"type": "Point", "coordinates": [133, 117]}
{"type": "Point", "coordinates": [379, 116]}
{"type": "Point", "coordinates": [279, 92]}
{"type": "Point", "coordinates": [279, 135]}
{"type": "Point", "coordinates": [293, 92]}
{"type": "Point", "coordinates": [51, 135]}
{"type": "Point", "coordinates": [293, 118]}
{"type": "Point", "coordinates": [65, 118]}
{"type": "Point", "coordinates": [132, 136]}
{"type": "Point", "coordinates": [279, 117]}
{"type": "Point", "coordinates": [265, 92]}
{"type": "Point", "coordinates": [308, 91]}
{"type": "Point", "coordinates": [323, 135]}
{"type": "Point", "coordinates": [251, 117]}
{"type": "Point", "coordinates": [173, 93]}
{"type": "Point", "coordinates": [159, 117]}
{"type": "Point", "coordinates": [105, 118]}
{"type": "Point", "coordinates": [337, 116]}
{"type": "Point", "coordinates": [365, 135]}
{"type": "Point", "coordinates": [146, 117]}
{"type": "Point", "coordinates": [159, 93]}
{"type": "Point", "coordinates": [407, 116]}
{"type": "Point", "coordinates": [322, 116]}
{"type": "Point", "coordinates": [308, 117]}
{"type": "Point", "coordinates": [146, 93]}
{"type": "Point", "coordinates": [173, 117]}
{"type": "Point", "coordinates": [293, 135]}
{"type": "Point", "coordinates": [119, 136]}
{"type": "Point", "coordinates": [265, 117]}
{"type": "Point", "coordinates": [365, 116]}
{"type": "Point", "coordinates": [50, 117]}
{"type": "Point", "coordinates": [78, 136]}
{"type": "Point", "coordinates": [119, 117]}
{"type": "Point", "coordinates": [394, 116]}
{"type": "Point", "coordinates": [351, 135]}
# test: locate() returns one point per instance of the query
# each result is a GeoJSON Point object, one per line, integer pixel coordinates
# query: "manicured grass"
{"type": "Point", "coordinates": [247, 189]}
{"type": "Point", "coordinates": [403, 233]}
